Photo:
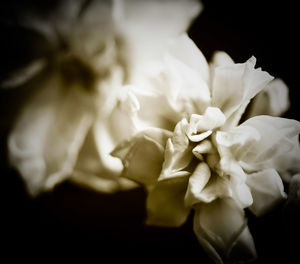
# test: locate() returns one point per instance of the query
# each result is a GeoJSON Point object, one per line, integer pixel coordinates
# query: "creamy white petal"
{"type": "Point", "coordinates": [186, 51]}
{"type": "Point", "coordinates": [188, 92]}
{"type": "Point", "coordinates": [152, 30]}
{"type": "Point", "coordinates": [233, 86]}
{"type": "Point", "coordinates": [220, 228]}
{"type": "Point", "coordinates": [165, 203]}
{"type": "Point", "coordinates": [267, 190]}
{"type": "Point", "coordinates": [204, 147]}
{"type": "Point", "coordinates": [93, 172]}
{"type": "Point", "coordinates": [197, 182]}
{"type": "Point", "coordinates": [201, 126]}
{"type": "Point", "coordinates": [277, 138]}
{"type": "Point", "coordinates": [143, 155]}
{"type": "Point", "coordinates": [273, 100]}
{"type": "Point", "coordinates": [178, 153]}
{"type": "Point", "coordinates": [48, 134]}
{"type": "Point", "coordinates": [221, 58]}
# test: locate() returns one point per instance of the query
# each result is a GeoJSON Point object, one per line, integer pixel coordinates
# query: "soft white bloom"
{"type": "Point", "coordinates": [191, 152]}
{"type": "Point", "coordinates": [74, 118]}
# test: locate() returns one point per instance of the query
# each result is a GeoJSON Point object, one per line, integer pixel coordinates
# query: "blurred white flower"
{"type": "Point", "coordinates": [71, 123]}
{"type": "Point", "coordinates": [191, 152]}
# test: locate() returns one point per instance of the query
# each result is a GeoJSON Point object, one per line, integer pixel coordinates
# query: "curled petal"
{"type": "Point", "coordinates": [204, 187]}
{"type": "Point", "coordinates": [143, 155]}
{"type": "Point", "coordinates": [178, 153]}
{"type": "Point", "coordinates": [165, 203]}
{"type": "Point", "coordinates": [221, 229]}
{"type": "Point", "coordinates": [267, 190]}
{"type": "Point", "coordinates": [197, 182]}
{"type": "Point", "coordinates": [201, 126]}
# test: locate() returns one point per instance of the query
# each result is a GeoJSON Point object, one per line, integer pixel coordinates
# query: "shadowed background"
{"type": "Point", "coordinates": [78, 221]}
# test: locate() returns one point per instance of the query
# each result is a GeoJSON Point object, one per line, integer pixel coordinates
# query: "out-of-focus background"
{"type": "Point", "coordinates": [76, 221]}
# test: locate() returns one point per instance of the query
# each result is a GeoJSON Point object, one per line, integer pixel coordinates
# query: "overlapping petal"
{"type": "Point", "coordinates": [221, 227]}
{"type": "Point", "coordinates": [267, 190]}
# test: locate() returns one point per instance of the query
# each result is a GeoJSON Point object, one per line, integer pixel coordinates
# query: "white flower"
{"type": "Point", "coordinates": [74, 118]}
{"type": "Point", "coordinates": [192, 153]}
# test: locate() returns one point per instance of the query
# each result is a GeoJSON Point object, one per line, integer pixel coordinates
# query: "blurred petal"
{"type": "Point", "coordinates": [165, 203]}
{"type": "Point", "coordinates": [267, 190]}
{"type": "Point", "coordinates": [23, 75]}
{"type": "Point", "coordinates": [143, 155]}
{"type": "Point", "coordinates": [273, 100]}
{"type": "Point", "coordinates": [153, 29]}
{"type": "Point", "coordinates": [93, 172]}
{"type": "Point", "coordinates": [41, 146]}
{"type": "Point", "coordinates": [186, 51]}
{"type": "Point", "coordinates": [221, 229]}
{"type": "Point", "coordinates": [188, 90]}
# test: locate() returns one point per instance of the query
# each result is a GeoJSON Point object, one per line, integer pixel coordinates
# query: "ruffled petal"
{"type": "Point", "coordinates": [201, 126]}
{"type": "Point", "coordinates": [178, 153]}
{"type": "Point", "coordinates": [221, 229]}
{"type": "Point", "coordinates": [41, 146]}
{"type": "Point", "coordinates": [165, 203]}
{"type": "Point", "coordinates": [234, 85]}
{"type": "Point", "coordinates": [267, 190]}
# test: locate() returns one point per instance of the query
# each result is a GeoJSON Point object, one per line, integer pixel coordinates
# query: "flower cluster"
{"type": "Point", "coordinates": [202, 137]}
{"type": "Point", "coordinates": [193, 153]}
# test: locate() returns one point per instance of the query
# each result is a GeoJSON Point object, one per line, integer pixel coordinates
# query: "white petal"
{"type": "Point", "coordinates": [220, 228]}
{"type": "Point", "coordinates": [99, 171]}
{"type": "Point", "coordinates": [148, 33]}
{"type": "Point", "coordinates": [203, 147]}
{"type": "Point", "coordinates": [186, 51]}
{"type": "Point", "coordinates": [201, 126]}
{"type": "Point", "coordinates": [221, 58]}
{"type": "Point", "coordinates": [197, 182]}
{"type": "Point", "coordinates": [143, 155]}
{"type": "Point", "coordinates": [46, 139]}
{"type": "Point", "coordinates": [267, 190]}
{"type": "Point", "coordinates": [188, 89]}
{"type": "Point", "coordinates": [273, 100]}
{"type": "Point", "coordinates": [178, 152]}
{"type": "Point", "coordinates": [277, 139]}
{"type": "Point", "coordinates": [234, 85]}
{"type": "Point", "coordinates": [165, 203]}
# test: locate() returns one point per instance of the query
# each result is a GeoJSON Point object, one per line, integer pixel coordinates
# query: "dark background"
{"type": "Point", "coordinates": [74, 221]}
